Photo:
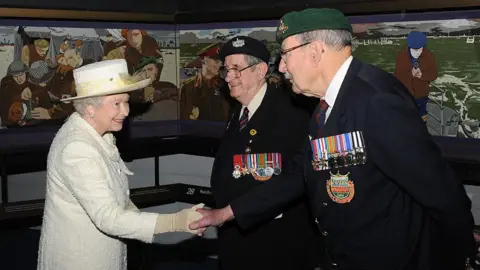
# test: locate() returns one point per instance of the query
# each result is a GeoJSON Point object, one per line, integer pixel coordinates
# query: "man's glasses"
{"type": "Point", "coordinates": [235, 72]}
{"type": "Point", "coordinates": [283, 53]}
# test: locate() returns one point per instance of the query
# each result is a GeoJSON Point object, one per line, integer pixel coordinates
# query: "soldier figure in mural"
{"type": "Point", "coordinates": [11, 88]}
{"type": "Point", "coordinates": [415, 68]}
{"type": "Point", "coordinates": [65, 45]}
{"type": "Point", "coordinates": [26, 103]}
{"type": "Point", "coordinates": [37, 95]}
{"type": "Point", "coordinates": [202, 95]}
{"type": "Point", "coordinates": [62, 83]}
{"type": "Point", "coordinates": [36, 51]}
{"type": "Point", "coordinates": [138, 44]}
{"type": "Point", "coordinates": [150, 68]}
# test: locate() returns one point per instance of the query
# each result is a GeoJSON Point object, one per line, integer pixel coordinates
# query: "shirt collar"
{"type": "Point", "coordinates": [256, 101]}
{"type": "Point", "coordinates": [334, 87]}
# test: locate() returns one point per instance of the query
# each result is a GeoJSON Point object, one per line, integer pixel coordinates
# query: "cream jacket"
{"type": "Point", "coordinates": [86, 204]}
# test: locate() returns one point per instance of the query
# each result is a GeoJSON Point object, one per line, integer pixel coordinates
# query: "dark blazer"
{"type": "Point", "coordinates": [408, 210]}
{"type": "Point", "coordinates": [289, 242]}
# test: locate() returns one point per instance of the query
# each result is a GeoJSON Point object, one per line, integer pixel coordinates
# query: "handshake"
{"type": "Point", "coordinates": [196, 219]}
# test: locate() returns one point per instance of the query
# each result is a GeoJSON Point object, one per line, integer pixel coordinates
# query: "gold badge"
{"type": "Point", "coordinates": [340, 188]}
{"type": "Point", "coordinates": [281, 28]}
{"type": "Point", "coordinates": [195, 113]}
{"type": "Point", "coordinates": [253, 132]}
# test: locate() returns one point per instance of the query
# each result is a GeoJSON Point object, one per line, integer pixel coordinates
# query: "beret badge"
{"type": "Point", "coordinates": [238, 43]}
{"type": "Point", "coordinates": [282, 28]}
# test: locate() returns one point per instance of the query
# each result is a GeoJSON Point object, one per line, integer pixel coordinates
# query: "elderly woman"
{"type": "Point", "coordinates": [87, 207]}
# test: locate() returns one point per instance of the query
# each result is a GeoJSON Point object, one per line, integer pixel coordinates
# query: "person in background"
{"type": "Point", "coordinates": [87, 205]}
{"type": "Point", "coordinates": [416, 69]}
{"type": "Point", "coordinates": [381, 194]}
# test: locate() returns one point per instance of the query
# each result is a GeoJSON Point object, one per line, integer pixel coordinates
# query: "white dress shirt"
{"type": "Point", "coordinates": [334, 87]}
{"type": "Point", "coordinates": [255, 102]}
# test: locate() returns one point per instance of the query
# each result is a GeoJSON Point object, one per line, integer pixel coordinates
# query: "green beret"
{"type": "Point", "coordinates": [297, 22]}
{"type": "Point", "coordinates": [147, 60]}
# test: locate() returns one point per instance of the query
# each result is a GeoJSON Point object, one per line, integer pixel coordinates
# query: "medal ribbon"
{"type": "Point", "coordinates": [246, 162]}
{"type": "Point", "coordinates": [277, 160]}
{"type": "Point", "coordinates": [316, 145]}
{"type": "Point", "coordinates": [261, 160]}
{"type": "Point", "coordinates": [348, 139]}
{"type": "Point", "coordinates": [237, 161]}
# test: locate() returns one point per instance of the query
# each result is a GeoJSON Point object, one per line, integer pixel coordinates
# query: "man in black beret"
{"type": "Point", "coordinates": [263, 132]}
{"type": "Point", "coordinates": [381, 193]}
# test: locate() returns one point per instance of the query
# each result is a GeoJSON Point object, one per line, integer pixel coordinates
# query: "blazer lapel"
{"type": "Point", "coordinates": [336, 119]}
{"type": "Point", "coordinates": [233, 122]}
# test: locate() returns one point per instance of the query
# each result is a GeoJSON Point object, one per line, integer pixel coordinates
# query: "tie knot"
{"type": "Point", "coordinates": [323, 105]}
{"type": "Point", "coordinates": [244, 118]}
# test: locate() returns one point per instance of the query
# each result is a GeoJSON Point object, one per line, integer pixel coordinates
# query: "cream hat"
{"type": "Point", "coordinates": [103, 78]}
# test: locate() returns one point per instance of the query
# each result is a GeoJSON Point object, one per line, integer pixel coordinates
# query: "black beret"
{"type": "Point", "coordinates": [245, 45]}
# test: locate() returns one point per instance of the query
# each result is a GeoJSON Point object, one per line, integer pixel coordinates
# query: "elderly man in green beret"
{"type": "Point", "coordinates": [380, 192]}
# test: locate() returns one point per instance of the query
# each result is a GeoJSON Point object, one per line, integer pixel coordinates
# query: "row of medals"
{"type": "Point", "coordinates": [262, 172]}
{"type": "Point", "coordinates": [338, 160]}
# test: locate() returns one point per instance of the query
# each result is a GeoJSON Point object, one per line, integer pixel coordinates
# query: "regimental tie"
{"type": "Point", "coordinates": [244, 118]}
{"type": "Point", "coordinates": [320, 116]}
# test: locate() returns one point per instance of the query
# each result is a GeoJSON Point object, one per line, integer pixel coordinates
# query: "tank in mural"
{"type": "Point", "coordinates": [437, 61]}
{"type": "Point", "coordinates": [37, 63]}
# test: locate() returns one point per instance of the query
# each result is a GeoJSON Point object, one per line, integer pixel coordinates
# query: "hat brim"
{"type": "Point", "coordinates": [132, 87]}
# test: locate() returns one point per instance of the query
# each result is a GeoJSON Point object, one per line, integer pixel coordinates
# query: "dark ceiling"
{"type": "Point", "coordinates": [195, 11]}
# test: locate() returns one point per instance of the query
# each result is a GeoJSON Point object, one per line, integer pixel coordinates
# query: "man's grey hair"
{"type": "Point", "coordinates": [81, 105]}
{"type": "Point", "coordinates": [252, 60]}
{"type": "Point", "coordinates": [335, 39]}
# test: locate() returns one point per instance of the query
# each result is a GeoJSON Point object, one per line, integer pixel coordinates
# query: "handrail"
{"type": "Point", "coordinates": [441, 120]}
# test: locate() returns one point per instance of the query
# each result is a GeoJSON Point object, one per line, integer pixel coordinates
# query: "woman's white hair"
{"type": "Point", "coordinates": [81, 105]}
{"type": "Point", "coordinates": [335, 39]}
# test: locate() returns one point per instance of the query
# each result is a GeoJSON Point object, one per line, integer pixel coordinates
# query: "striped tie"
{"type": "Point", "coordinates": [321, 117]}
{"type": "Point", "coordinates": [244, 118]}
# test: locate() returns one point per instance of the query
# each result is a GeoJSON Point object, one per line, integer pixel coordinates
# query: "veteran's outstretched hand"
{"type": "Point", "coordinates": [179, 222]}
{"type": "Point", "coordinates": [212, 217]}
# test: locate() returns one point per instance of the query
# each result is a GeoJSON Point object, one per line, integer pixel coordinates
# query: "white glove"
{"type": "Point", "coordinates": [178, 222]}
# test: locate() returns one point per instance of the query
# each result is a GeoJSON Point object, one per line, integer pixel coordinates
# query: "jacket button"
{"type": "Point", "coordinates": [324, 204]}
{"type": "Point", "coordinates": [324, 233]}
{"type": "Point", "coordinates": [334, 265]}
{"type": "Point", "coordinates": [316, 220]}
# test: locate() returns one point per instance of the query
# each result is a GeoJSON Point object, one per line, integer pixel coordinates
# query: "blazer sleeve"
{"type": "Point", "coordinates": [399, 144]}
{"type": "Point", "coordinates": [270, 198]}
{"type": "Point", "coordinates": [83, 174]}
